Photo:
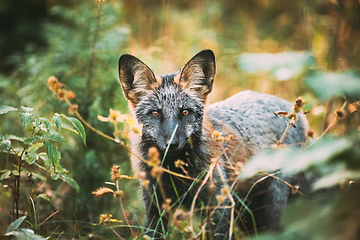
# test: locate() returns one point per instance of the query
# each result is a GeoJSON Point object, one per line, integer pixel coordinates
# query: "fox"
{"type": "Point", "coordinates": [178, 122]}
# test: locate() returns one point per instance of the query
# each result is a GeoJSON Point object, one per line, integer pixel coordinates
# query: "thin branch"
{"type": "Point", "coordinates": [332, 123]}
{"type": "Point", "coordinates": [231, 200]}
{"type": "Point", "coordinates": [211, 169]}
{"type": "Point", "coordinates": [127, 221]}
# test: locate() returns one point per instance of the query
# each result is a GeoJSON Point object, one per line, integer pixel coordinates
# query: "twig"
{"type": "Point", "coordinates": [127, 221]}
{"type": "Point", "coordinates": [284, 134]}
{"type": "Point", "coordinates": [332, 123]}
{"type": "Point", "coordinates": [47, 218]}
{"type": "Point", "coordinates": [283, 181]}
{"type": "Point", "coordinates": [231, 200]}
{"type": "Point", "coordinates": [211, 169]}
{"type": "Point", "coordinates": [115, 232]}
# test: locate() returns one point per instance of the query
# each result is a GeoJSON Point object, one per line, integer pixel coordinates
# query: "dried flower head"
{"type": "Point", "coordinates": [310, 133]}
{"type": "Point", "coordinates": [102, 191]}
{"type": "Point", "coordinates": [106, 219]}
{"type": "Point", "coordinates": [61, 94]}
{"type": "Point", "coordinates": [166, 204]}
{"type": "Point", "coordinates": [153, 155]}
{"type": "Point", "coordinates": [115, 172]}
{"type": "Point", "coordinates": [70, 95]}
{"type": "Point", "coordinates": [73, 108]}
{"type": "Point", "coordinates": [218, 136]}
{"type": "Point", "coordinates": [145, 183]}
{"type": "Point", "coordinates": [299, 102]}
{"type": "Point", "coordinates": [179, 163]}
{"type": "Point", "coordinates": [227, 138]}
{"type": "Point", "coordinates": [52, 80]}
{"type": "Point", "coordinates": [225, 191]}
{"type": "Point", "coordinates": [156, 171]}
{"type": "Point", "coordinates": [282, 113]}
{"type": "Point", "coordinates": [339, 113]}
{"type": "Point", "coordinates": [220, 198]}
{"type": "Point", "coordinates": [114, 116]}
{"type": "Point", "coordinates": [53, 83]}
{"type": "Point", "coordinates": [118, 193]}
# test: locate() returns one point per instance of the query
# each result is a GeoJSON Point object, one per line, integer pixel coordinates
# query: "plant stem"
{"type": "Point", "coordinates": [127, 221]}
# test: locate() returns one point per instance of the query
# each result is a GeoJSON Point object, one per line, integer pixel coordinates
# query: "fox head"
{"type": "Point", "coordinates": [169, 107]}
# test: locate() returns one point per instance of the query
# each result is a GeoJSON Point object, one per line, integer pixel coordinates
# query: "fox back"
{"type": "Point", "coordinates": [177, 123]}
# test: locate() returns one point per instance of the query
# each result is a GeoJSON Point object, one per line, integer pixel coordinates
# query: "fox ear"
{"type": "Point", "coordinates": [198, 74]}
{"type": "Point", "coordinates": [136, 78]}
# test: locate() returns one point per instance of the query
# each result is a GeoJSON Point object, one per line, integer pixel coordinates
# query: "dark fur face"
{"type": "Point", "coordinates": [160, 112]}
{"type": "Point", "coordinates": [170, 102]}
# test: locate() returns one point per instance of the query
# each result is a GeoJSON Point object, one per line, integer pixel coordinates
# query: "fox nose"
{"type": "Point", "coordinates": [173, 145]}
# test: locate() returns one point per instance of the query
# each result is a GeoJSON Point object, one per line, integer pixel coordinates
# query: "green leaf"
{"type": "Point", "coordinates": [16, 224]}
{"type": "Point", "coordinates": [34, 147]}
{"type": "Point", "coordinates": [31, 157]}
{"type": "Point", "coordinates": [330, 84]}
{"type": "Point", "coordinates": [38, 122]}
{"type": "Point", "coordinates": [47, 124]}
{"type": "Point", "coordinates": [44, 196]}
{"type": "Point", "coordinates": [25, 119]}
{"type": "Point", "coordinates": [78, 126]}
{"type": "Point", "coordinates": [25, 233]}
{"type": "Point", "coordinates": [15, 172]}
{"type": "Point", "coordinates": [5, 109]}
{"type": "Point", "coordinates": [283, 66]}
{"type": "Point", "coordinates": [46, 160]}
{"type": "Point", "coordinates": [5, 175]}
{"type": "Point", "coordinates": [55, 176]}
{"type": "Point", "coordinates": [32, 139]}
{"type": "Point", "coordinates": [13, 137]}
{"type": "Point", "coordinates": [70, 181]}
{"type": "Point", "coordinates": [26, 109]}
{"type": "Point", "coordinates": [5, 145]}
{"type": "Point", "coordinates": [335, 178]}
{"type": "Point", "coordinates": [54, 137]}
{"type": "Point", "coordinates": [57, 120]}
{"type": "Point", "coordinates": [292, 161]}
{"type": "Point", "coordinates": [52, 153]}
{"type": "Point", "coordinates": [39, 176]}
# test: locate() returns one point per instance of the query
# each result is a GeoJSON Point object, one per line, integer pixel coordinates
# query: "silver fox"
{"type": "Point", "coordinates": [174, 116]}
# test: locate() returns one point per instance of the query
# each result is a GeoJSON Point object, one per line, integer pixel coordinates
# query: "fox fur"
{"type": "Point", "coordinates": [178, 101]}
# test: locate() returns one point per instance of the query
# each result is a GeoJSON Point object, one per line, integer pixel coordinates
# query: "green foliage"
{"type": "Point", "coordinates": [76, 124]}
{"type": "Point", "coordinates": [332, 162]}
{"type": "Point", "coordinates": [31, 152]}
{"type": "Point", "coordinates": [283, 66]}
{"type": "Point", "coordinates": [21, 233]}
{"type": "Point", "coordinates": [329, 85]}
{"type": "Point", "coordinates": [16, 224]}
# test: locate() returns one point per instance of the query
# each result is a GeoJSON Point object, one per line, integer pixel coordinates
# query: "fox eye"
{"type": "Point", "coordinates": [185, 112]}
{"type": "Point", "coordinates": [155, 113]}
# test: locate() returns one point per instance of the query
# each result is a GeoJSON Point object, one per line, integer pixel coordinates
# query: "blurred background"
{"type": "Point", "coordinates": [262, 45]}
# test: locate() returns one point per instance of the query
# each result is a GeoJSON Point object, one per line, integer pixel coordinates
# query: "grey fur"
{"type": "Point", "coordinates": [249, 116]}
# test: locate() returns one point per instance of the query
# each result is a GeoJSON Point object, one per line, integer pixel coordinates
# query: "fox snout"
{"type": "Point", "coordinates": [171, 136]}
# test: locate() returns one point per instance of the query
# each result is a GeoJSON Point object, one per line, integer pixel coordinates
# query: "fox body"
{"type": "Point", "coordinates": [174, 116]}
